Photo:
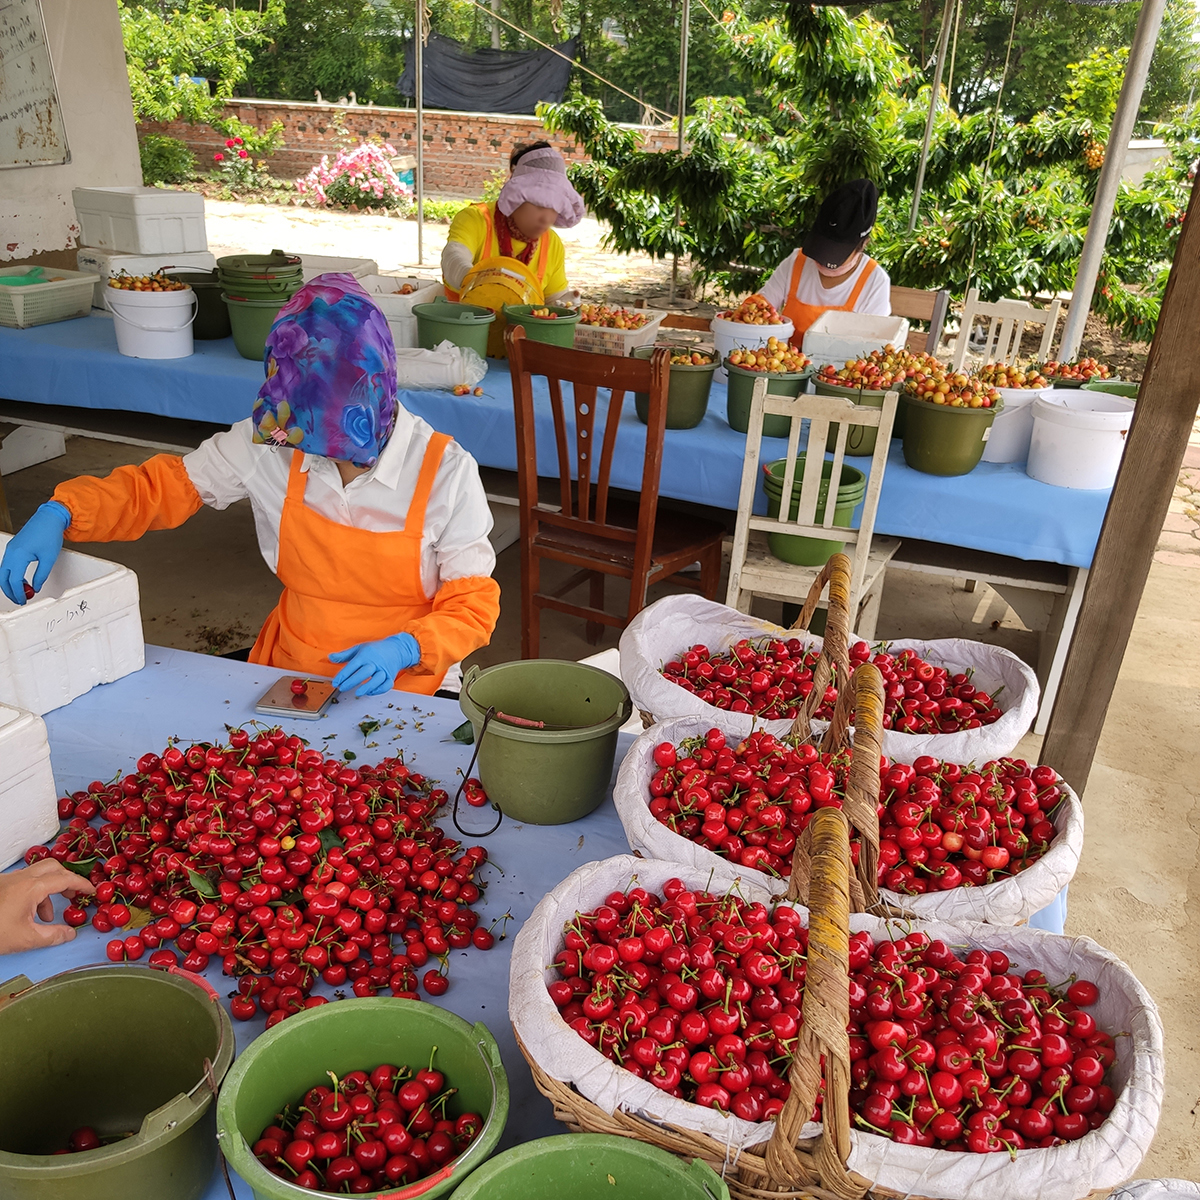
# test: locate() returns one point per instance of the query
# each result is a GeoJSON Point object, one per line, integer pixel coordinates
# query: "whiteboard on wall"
{"type": "Point", "coordinates": [32, 132]}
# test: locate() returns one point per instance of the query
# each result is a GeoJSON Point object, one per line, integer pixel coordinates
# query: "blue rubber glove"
{"type": "Point", "coordinates": [375, 665]}
{"type": "Point", "coordinates": [40, 541]}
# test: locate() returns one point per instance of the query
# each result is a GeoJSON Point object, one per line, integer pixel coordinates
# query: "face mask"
{"type": "Point", "coordinates": [848, 265]}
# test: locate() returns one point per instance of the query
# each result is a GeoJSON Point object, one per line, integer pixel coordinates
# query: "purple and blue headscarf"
{"type": "Point", "coordinates": [331, 374]}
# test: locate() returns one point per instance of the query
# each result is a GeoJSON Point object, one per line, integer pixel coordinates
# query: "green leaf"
{"type": "Point", "coordinates": [82, 867]}
{"type": "Point", "coordinates": [202, 885]}
{"type": "Point", "coordinates": [330, 838]}
{"type": "Point", "coordinates": [465, 734]}
{"type": "Point", "coordinates": [349, 755]}
{"type": "Point", "coordinates": [368, 727]}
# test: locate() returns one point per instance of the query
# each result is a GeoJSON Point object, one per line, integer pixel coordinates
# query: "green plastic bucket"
{"type": "Point", "coordinates": [559, 331]}
{"type": "Point", "coordinates": [807, 551]}
{"type": "Point", "coordinates": [120, 1049]}
{"type": "Point", "coordinates": [687, 392]}
{"type": "Point", "coordinates": [1114, 387]}
{"type": "Point", "coordinates": [463, 324]}
{"type": "Point", "coordinates": [554, 775]}
{"type": "Point", "coordinates": [350, 1035]}
{"type": "Point", "coordinates": [260, 268]}
{"type": "Point", "coordinates": [212, 317]}
{"type": "Point", "coordinates": [592, 1166]}
{"type": "Point", "coordinates": [860, 439]}
{"type": "Point", "coordinates": [942, 440]}
{"type": "Point", "coordinates": [741, 392]}
{"type": "Point", "coordinates": [251, 321]}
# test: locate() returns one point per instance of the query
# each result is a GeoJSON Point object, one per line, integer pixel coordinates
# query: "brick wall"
{"type": "Point", "coordinates": [461, 149]}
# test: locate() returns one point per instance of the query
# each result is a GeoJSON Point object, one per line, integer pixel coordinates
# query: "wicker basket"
{"type": "Point", "coordinates": [64, 295]}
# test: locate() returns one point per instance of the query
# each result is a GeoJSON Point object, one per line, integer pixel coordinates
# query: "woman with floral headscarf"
{"type": "Point", "coordinates": [376, 525]}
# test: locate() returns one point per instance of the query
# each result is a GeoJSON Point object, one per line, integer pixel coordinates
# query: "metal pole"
{"type": "Point", "coordinates": [684, 18]}
{"type": "Point", "coordinates": [943, 38]}
{"type": "Point", "coordinates": [1136, 70]}
{"type": "Point", "coordinates": [419, 96]}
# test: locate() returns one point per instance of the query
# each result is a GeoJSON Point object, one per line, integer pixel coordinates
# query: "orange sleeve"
{"type": "Point", "coordinates": [465, 612]}
{"type": "Point", "coordinates": [131, 500]}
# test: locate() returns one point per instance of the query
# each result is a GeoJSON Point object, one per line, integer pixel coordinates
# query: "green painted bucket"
{"type": "Point", "coordinates": [465, 325]}
{"type": "Point", "coordinates": [860, 439]}
{"type": "Point", "coordinates": [121, 1049]}
{"type": "Point", "coordinates": [741, 391]}
{"type": "Point", "coordinates": [592, 1166]}
{"type": "Point", "coordinates": [687, 392]}
{"type": "Point", "coordinates": [559, 773]}
{"type": "Point", "coordinates": [807, 551]}
{"type": "Point", "coordinates": [556, 331]}
{"type": "Point", "coordinates": [212, 317]}
{"type": "Point", "coordinates": [251, 321]}
{"type": "Point", "coordinates": [279, 1067]}
{"type": "Point", "coordinates": [942, 440]}
{"type": "Point", "coordinates": [1114, 387]}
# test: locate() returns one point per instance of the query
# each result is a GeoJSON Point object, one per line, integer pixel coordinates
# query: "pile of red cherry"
{"type": "Point", "coordinates": [701, 995]}
{"type": "Point", "coordinates": [368, 1131]}
{"type": "Point", "coordinates": [772, 679]}
{"type": "Point", "coordinates": [289, 866]}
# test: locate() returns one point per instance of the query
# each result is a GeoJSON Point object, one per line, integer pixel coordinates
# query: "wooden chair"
{"type": "Point", "coordinates": [1006, 321]}
{"type": "Point", "coordinates": [590, 529]}
{"type": "Point", "coordinates": [916, 305]}
{"type": "Point", "coordinates": [753, 570]}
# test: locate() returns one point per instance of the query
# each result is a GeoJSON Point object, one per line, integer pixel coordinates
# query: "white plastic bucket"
{"type": "Point", "coordinates": [152, 324]}
{"type": "Point", "coordinates": [732, 335]}
{"type": "Point", "coordinates": [1078, 438]}
{"type": "Point", "coordinates": [1008, 439]}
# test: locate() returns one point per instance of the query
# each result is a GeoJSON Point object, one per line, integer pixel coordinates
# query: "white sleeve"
{"type": "Point", "coordinates": [457, 260]}
{"type": "Point", "coordinates": [876, 298]}
{"type": "Point", "coordinates": [775, 290]}
{"type": "Point", "coordinates": [221, 467]}
{"type": "Point", "coordinates": [462, 547]}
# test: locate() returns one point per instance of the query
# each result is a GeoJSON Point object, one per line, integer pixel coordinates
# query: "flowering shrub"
{"type": "Point", "coordinates": [362, 176]}
{"type": "Point", "coordinates": [238, 167]}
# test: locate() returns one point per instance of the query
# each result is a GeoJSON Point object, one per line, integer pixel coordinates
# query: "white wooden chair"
{"type": "Point", "coordinates": [753, 570]}
{"type": "Point", "coordinates": [1006, 321]}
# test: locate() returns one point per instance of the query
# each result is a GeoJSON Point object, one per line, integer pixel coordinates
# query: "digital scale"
{"type": "Point", "coordinates": [280, 701]}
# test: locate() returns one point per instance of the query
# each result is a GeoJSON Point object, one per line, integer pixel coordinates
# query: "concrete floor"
{"type": "Point", "coordinates": [205, 587]}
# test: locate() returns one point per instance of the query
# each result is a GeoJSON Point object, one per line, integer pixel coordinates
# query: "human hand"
{"type": "Point", "coordinates": [27, 910]}
{"type": "Point", "coordinates": [375, 665]}
{"type": "Point", "coordinates": [40, 540]}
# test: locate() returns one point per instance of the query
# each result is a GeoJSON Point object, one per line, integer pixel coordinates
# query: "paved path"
{"type": "Point", "coordinates": [1179, 544]}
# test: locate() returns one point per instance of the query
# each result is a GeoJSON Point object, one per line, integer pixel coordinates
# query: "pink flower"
{"type": "Point", "coordinates": [243, 154]}
{"type": "Point", "coordinates": [229, 143]}
{"type": "Point", "coordinates": [238, 142]}
{"type": "Point", "coordinates": [218, 157]}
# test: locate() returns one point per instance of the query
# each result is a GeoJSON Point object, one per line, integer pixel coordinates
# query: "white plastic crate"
{"type": "Point", "coordinates": [83, 628]}
{"type": "Point", "coordinates": [140, 220]}
{"type": "Point", "coordinates": [107, 263]}
{"type": "Point", "coordinates": [835, 337]}
{"type": "Point", "coordinates": [599, 339]}
{"type": "Point", "coordinates": [64, 295]}
{"type": "Point", "coordinates": [323, 264]}
{"type": "Point", "coordinates": [28, 799]}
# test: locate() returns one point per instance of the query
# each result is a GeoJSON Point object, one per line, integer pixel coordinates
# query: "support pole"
{"type": "Point", "coordinates": [943, 38]}
{"type": "Point", "coordinates": [684, 20]}
{"type": "Point", "coordinates": [419, 96]}
{"type": "Point", "coordinates": [1136, 70]}
{"type": "Point", "coordinates": [1154, 449]}
{"type": "Point", "coordinates": [495, 25]}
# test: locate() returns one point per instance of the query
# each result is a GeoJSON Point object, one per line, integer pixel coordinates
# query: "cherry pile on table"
{"type": "Point", "coordinates": [368, 1131]}
{"type": "Point", "coordinates": [286, 865]}
{"type": "Point", "coordinates": [773, 677]}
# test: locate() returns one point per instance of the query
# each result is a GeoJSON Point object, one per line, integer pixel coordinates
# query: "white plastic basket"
{"type": "Point", "coordinates": [64, 295]}
{"type": "Point", "coordinates": [28, 800]}
{"type": "Point", "coordinates": [598, 339]}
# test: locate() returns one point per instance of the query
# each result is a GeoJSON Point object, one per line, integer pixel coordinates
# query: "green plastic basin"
{"type": "Point", "coordinates": [279, 1067]}
{"type": "Point", "coordinates": [554, 775]}
{"type": "Point", "coordinates": [741, 392]}
{"type": "Point", "coordinates": [463, 324]}
{"type": "Point", "coordinates": [591, 1166]}
{"type": "Point", "coordinates": [941, 440]}
{"type": "Point", "coordinates": [807, 551]}
{"type": "Point", "coordinates": [687, 392]}
{"type": "Point", "coordinates": [860, 439]}
{"type": "Point", "coordinates": [250, 322]}
{"type": "Point", "coordinates": [556, 331]}
{"type": "Point", "coordinates": [1114, 387]}
{"type": "Point", "coordinates": [212, 317]}
{"type": "Point", "coordinates": [122, 1049]}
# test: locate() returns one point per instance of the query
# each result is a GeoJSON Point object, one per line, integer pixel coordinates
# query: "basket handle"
{"type": "Point", "coordinates": [835, 652]}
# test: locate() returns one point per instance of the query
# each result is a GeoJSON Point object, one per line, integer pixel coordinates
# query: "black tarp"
{"type": "Point", "coordinates": [494, 81]}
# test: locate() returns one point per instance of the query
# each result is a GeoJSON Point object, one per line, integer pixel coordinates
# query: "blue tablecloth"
{"type": "Point", "coordinates": [194, 696]}
{"type": "Point", "coordinates": [996, 508]}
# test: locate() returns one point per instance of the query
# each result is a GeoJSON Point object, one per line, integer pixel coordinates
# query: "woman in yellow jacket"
{"type": "Point", "coordinates": [375, 524]}
{"type": "Point", "coordinates": [518, 224]}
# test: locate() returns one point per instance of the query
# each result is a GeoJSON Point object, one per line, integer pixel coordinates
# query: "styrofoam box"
{"type": "Point", "coordinates": [107, 263]}
{"type": "Point", "coordinates": [404, 332]}
{"type": "Point", "coordinates": [141, 220]}
{"type": "Point", "coordinates": [384, 291]}
{"type": "Point", "coordinates": [835, 337]}
{"type": "Point", "coordinates": [322, 264]}
{"type": "Point", "coordinates": [28, 799]}
{"type": "Point", "coordinates": [83, 628]}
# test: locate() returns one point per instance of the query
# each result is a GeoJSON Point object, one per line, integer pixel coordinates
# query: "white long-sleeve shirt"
{"type": "Point", "coordinates": [229, 467]}
{"type": "Point", "coordinates": [875, 300]}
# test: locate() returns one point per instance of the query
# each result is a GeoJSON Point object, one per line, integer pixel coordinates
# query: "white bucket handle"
{"type": "Point", "coordinates": [154, 328]}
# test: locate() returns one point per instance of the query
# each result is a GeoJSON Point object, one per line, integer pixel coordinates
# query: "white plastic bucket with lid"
{"type": "Point", "coordinates": [729, 336]}
{"type": "Point", "coordinates": [1008, 439]}
{"type": "Point", "coordinates": [153, 324]}
{"type": "Point", "coordinates": [1078, 438]}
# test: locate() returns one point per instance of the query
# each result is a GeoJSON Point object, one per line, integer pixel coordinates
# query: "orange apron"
{"type": "Point", "coordinates": [803, 315]}
{"type": "Point", "coordinates": [343, 586]}
{"type": "Point", "coordinates": [491, 248]}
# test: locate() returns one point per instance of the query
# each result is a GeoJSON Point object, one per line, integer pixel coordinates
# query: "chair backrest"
{"type": "Point", "coordinates": [817, 414]}
{"type": "Point", "coordinates": [917, 305]}
{"type": "Point", "coordinates": [585, 473]}
{"type": "Point", "coordinates": [1006, 324]}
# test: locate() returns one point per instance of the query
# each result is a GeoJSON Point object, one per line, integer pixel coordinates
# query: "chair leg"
{"type": "Point", "coordinates": [710, 571]}
{"type": "Point", "coordinates": [596, 599]}
{"type": "Point", "coordinates": [530, 613]}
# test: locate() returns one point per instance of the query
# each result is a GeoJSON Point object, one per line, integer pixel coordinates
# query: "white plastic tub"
{"type": "Point", "coordinates": [28, 800]}
{"type": "Point", "coordinates": [107, 263]}
{"type": "Point", "coordinates": [730, 335]}
{"type": "Point", "coordinates": [837, 337]}
{"type": "Point", "coordinates": [324, 264]}
{"type": "Point", "coordinates": [1078, 438]}
{"type": "Point", "coordinates": [140, 220]}
{"type": "Point", "coordinates": [83, 628]}
{"type": "Point", "coordinates": [385, 291]}
{"type": "Point", "coordinates": [1008, 438]}
{"type": "Point", "coordinates": [152, 324]}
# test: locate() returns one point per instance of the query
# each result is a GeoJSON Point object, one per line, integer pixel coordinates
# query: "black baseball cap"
{"type": "Point", "coordinates": [846, 217]}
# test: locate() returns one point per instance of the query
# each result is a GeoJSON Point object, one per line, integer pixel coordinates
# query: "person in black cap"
{"type": "Point", "coordinates": [831, 269]}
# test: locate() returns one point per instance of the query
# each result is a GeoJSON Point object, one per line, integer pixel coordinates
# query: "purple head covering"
{"type": "Point", "coordinates": [331, 374]}
{"type": "Point", "coordinates": [541, 178]}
